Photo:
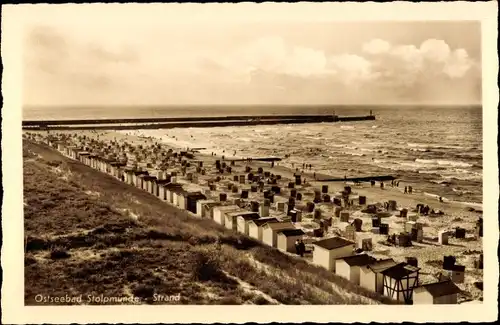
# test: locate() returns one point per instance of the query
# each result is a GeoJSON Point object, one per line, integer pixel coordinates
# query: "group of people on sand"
{"type": "Point", "coordinates": [306, 166]}
{"type": "Point", "coordinates": [407, 190]}
{"type": "Point", "coordinates": [300, 247]}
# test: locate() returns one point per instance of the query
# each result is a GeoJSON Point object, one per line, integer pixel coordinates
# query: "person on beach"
{"type": "Point", "coordinates": [406, 190]}
{"type": "Point", "coordinates": [314, 175]}
{"type": "Point", "coordinates": [302, 248]}
{"type": "Point", "coordinates": [410, 189]}
{"type": "Point", "coordinates": [382, 185]}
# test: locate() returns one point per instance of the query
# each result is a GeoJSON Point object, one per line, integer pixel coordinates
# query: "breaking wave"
{"type": "Point", "coordinates": [451, 163]}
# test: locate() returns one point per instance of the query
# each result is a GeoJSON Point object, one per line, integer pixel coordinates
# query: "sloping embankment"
{"type": "Point", "coordinates": [90, 234]}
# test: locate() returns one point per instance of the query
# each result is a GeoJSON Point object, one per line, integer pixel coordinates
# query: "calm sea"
{"type": "Point", "coordinates": [437, 149]}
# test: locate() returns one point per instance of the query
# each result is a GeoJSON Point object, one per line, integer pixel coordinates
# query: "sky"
{"type": "Point", "coordinates": [99, 57]}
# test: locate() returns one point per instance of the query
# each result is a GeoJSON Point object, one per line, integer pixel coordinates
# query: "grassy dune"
{"type": "Point", "coordinates": [87, 233]}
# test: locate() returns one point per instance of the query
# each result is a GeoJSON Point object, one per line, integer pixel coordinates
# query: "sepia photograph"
{"type": "Point", "coordinates": [177, 154]}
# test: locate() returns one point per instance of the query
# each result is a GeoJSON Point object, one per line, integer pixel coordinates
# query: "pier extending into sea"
{"type": "Point", "coordinates": [186, 122]}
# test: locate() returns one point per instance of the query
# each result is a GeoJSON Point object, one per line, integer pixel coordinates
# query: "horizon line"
{"type": "Point", "coordinates": [254, 105]}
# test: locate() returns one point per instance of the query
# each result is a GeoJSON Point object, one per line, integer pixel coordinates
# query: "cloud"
{"type": "Point", "coordinates": [267, 70]}
{"type": "Point", "coordinates": [380, 71]}
{"type": "Point", "coordinates": [376, 46]}
{"type": "Point", "coordinates": [378, 60]}
{"type": "Point", "coordinates": [432, 56]}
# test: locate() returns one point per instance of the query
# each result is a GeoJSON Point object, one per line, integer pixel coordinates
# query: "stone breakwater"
{"type": "Point", "coordinates": [279, 208]}
{"type": "Point", "coordinates": [186, 122]}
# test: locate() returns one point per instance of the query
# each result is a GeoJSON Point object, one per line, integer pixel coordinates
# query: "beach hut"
{"type": "Point", "coordinates": [264, 209]}
{"type": "Point", "coordinates": [170, 189]}
{"type": "Point", "coordinates": [255, 227]}
{"type": "Point", "coordinates": [348, 230]}
{"type": "Point", "coordinates": [220, 211]}
{"type": "Point", "coordinates": [364, 242]}
{"type": "Point", "coordinates": [140, 183]}
{"type": "Point", "coordinates": [230, 219]}
{"type": "Point", "coordinates": [136, 177]}
{"type": "Point", "coordinates": [179, 198]}
{"type": "Point", "coordinates": [60, 146]}
{"type": "Point", "coordinates": [148, 183]}
{"type": "Point", "coordinates": [403, 240]}
{"type": "Point", "coordinates": [326, 251]}
{"type": "Point", "coordinates": [417, 235]}
{"type": "Point", "coordinates": [280, 206]}
{"type": "Point", "coordinates": [208, 209]}
{"type": "Point", "coordinates": [286, 239]}
{"type": "Point", "coordinates": [129, 176]}
{"type": "Point", "coordinates": [155, 187]}
{"type": "Point", "coordinates": [455, 272]}
{"type": "Point", "coordinates": [344, 216]}
{"type": "Point", "coordinates": [200, 208]}
{"type": "Point", "coordinates": [400, 280]}
{"type": "Point", "coordinates": [93, 160]}
{"type": "Point", "coordinates": [173, 193]}
{"type": "Point", "coordinates": [119, 171]}
{"type": "Point", "coordinates": [162, 189]}
{"type": "Point", "coordinates": [349, 267]}
{"type": "Point", "coordinates": [86, 159]}
{"type": "Point", "coordinates": [336, 211]}
{"type": "Point", "coordinates": [99, 163]}
{"type": "Point", "coordinates": [191, 199]}
{"type": "Point", "coordinates": [443, 237]}
{"type": "Point", "coordinates": [295, 215]}
{"type": "Point", "coordinates": [438, 293]}
{"type": "Point", "coordinates": [243, 221]}
{"type": "Point", "coordinates": [391, 205]}
{"type": "Point", "coordinates": [270, 232]}
{"type": "Point", "coordinates": [82, 157]}
{"type": "Point", "coordinates": [73, 152]}
{"type": "Point", "coordinates": [370, 276]}
{"type": "Point", "coordinates": [108, 167]}
{"type": "Point", "coordinates": [358, 224]}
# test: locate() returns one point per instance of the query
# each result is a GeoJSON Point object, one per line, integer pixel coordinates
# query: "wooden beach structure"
{"type": "Point", "coordinates": [399, 281]}
{"type": "Point", "coordinates": [328, 250]}
{"type": "Point", "coordinates": [436, 293]}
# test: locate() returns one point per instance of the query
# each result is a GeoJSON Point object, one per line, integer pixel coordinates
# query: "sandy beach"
{"type": "Point", "coordinates": [428, 252]}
